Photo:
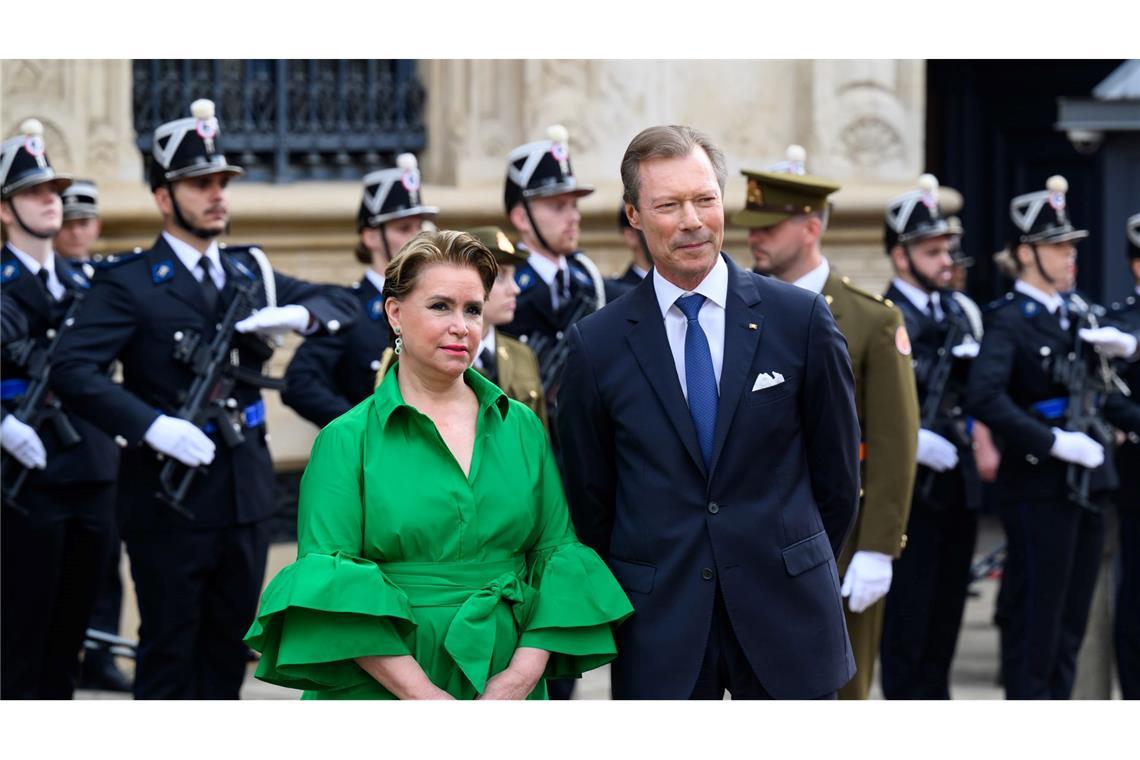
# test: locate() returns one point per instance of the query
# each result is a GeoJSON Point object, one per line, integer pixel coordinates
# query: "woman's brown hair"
{"type": "Point", "coordinates": [438, 247]}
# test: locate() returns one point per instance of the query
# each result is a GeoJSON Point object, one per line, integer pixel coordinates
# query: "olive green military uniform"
{"type": "Point", "coordinates": [886, 398]}
{"type": "Point", "coordinates": [515, 364]}
{"type": "Point", "coordinates": [518, 374]}
{"type": "Point", "coordinates": [887, 404]}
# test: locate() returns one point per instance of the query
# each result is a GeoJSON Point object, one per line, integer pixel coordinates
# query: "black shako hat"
{"type": "Point", "coordinates": [24, 164]}
{"type": "Point", "coordinates": [542, 169]}
{"type": "Point", "coordinates": [392, 194]}
{"type": "Point", "coordinates": [189, 147]}
{"type": "Point", "coordinates": [81, 200]}
{"type": "Point", "coordinates": [1040, 217]}
{"type": "Point", "coordinates": [915, 215]}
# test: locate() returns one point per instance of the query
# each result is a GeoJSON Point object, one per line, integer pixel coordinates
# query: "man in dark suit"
{"type": "Point", "coordinates": [197, 580]}
{"type": "Point", "coordinates": [721, 498]}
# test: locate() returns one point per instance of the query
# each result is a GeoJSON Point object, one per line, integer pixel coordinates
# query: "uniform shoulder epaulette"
{"type": "Point", "coordinates": [232, 249]}
{"type": "Point", "coordinates": [886, 302]}
{"type": "Point", "coordinates": [999, 303]}
{"type": "Point", "coordinates": [117, 259]}
{"type": "Point", "coordinates": [525, 277]}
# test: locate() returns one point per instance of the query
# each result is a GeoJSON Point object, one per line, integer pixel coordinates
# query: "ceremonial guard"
{"type": "Point", "coordinates": [1039, 382]}
{"type": "Point", "coordinates": [1125, 315]}
{"type": "Point", "coordinates": [928, 594]}
{"type": "Point", "coordinates": [81, 224]}
{"type": "Point", "coordinates": [559, 284]}
{"type": "Point", "coordinates": [786, 212]}
{"type": "Point", "coordinates": [58, 469]}
{"type": "Point", "coordinates": [507, 362]}
{"type": "Point", "coordinates": [189, 319]}
{"type": "Point", "coordinates": [331, 373]}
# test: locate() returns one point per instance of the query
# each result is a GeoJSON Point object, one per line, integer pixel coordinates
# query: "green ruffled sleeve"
{"type": "Point", "coordinates": [578, 602]}
{"type": "Point", "coordinates": [329, 606]}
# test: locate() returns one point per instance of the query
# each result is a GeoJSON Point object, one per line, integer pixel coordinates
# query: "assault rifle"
{"type": "Point", "coordinates": [37, 406]}
{"type": "Point", "coordinates": [936, 392]}
{"type": "Point", "coordinates": [216, 371]}
{"type": "Point", "coordinates": [1087, 388]}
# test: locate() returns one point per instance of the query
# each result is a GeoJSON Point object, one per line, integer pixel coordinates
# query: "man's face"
{"type": "Point", "coordinates": [78, 237]}
{"type": "Point", "coordinates": [399, 231]}
{"type": "Point", "coordinates": [558, 221]}
{"type": "Point", "coordinates": [203, 201]}
{"type": "Point", "coordinates": [681, 212]}
{"type": "Point", "coordinates": [778, 248]}
{"type": "Point", "coordinates": [500, 306]}
{"type": "Point", "coordinates": [932, 260]}
{"type": "Point", "coordinates": [39, 207]}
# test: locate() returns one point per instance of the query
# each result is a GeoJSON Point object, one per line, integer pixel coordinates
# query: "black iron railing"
{"type": "Point", "coordinates": [287, 120]}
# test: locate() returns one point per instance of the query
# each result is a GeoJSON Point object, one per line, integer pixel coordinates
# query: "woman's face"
{"type": "Point", "coordinates": [440, 320]}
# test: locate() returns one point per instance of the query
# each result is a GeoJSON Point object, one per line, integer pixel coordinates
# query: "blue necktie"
{"type": "Point", "coordinates": [700, 380]}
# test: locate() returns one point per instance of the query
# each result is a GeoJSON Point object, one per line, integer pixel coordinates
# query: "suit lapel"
{"type": "Point", "coordinates": [743, 324]}
{"type": "Point", "coordinates": [650, 346]}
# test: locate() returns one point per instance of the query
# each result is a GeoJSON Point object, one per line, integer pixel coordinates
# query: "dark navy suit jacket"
{"type": "Point", "coordinates": [765, 523]}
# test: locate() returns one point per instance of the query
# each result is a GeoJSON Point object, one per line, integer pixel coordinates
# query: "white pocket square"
{"type": "Point", "coordinates": [767, 380]}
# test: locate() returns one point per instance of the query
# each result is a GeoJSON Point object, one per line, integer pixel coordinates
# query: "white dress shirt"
{"type": "Point", "coordinates": [189, 256]}
{"type": "Point", "coordinates": [711, 317]}
{"type": "Point", "coordinates": [55, 287]}
{"type": "Point", "coordinates": [815, 279]}
{"type": "Point", "coordinates": [375, 278]}
{"type": "Point", "coordinates": [919, 297]}
{"type": "Point", "coordinates": [548, 271]}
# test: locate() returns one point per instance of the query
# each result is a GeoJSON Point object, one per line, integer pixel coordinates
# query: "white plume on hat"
{"type": "Point", "coordinates": [558, 133]}
{"type": "Point", "coordinates": [202, 109]}
{"type": "Point", "coordinates": [928, 183]}
{"type": "Point", "coordinates": [407, 161]}
{"type": "Point", "coordinates": [796, 153]}
{"type": "Point", "coordinates": [1057, 184]}
{"type": "Point", "coordinates": [32, 127]}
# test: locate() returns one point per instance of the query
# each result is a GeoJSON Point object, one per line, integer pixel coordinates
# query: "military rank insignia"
{"type": "Point", "coordinates": [161, 272]}
{"type": "Point", "coordinates": [80, 280]}
{"type": "Point", "coordinates": [1029, 308]}
{"type": "Point", "coordinates": [10, 272]}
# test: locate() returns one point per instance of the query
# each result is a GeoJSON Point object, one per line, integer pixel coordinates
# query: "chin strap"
{"type": "Point", "coordinates": [27, 229]}
{"type": "Point", "coordinates": [534, 227]}
{"type": "Point", "coordinates": [1041, 269]}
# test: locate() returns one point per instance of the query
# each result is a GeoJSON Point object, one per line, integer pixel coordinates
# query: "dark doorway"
{"type": "Point", "coordinates": [990, 134]}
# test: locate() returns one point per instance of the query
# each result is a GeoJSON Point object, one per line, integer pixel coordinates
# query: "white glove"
{"type": "Point", "coordinates": [181, 440]}
{"type": "Point", "coordinates": [276, 320]}
{"type": "Point", "coordinates": [1077, 448]}
{"type": "Point", "coordinates": [868, 579]}
{"type": "Point", "coordinates": [1112, 342]}
{"type": "Point", "coordinates": [966, 350]}
{"type": "Point", "coordinates": [936, 452]}
{"type": "Point", "coordinates": [21, 441]}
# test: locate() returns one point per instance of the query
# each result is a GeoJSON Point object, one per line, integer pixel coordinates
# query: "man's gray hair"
{"type": "Point", "coordinates": [672, 141]}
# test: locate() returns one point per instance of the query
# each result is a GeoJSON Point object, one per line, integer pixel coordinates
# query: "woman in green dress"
{"type": "Point", "coordinates": [435, 554]}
